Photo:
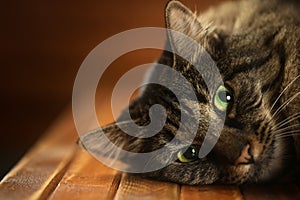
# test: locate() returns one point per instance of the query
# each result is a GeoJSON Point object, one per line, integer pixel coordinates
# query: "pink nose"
{"type": "Point", "coordinates": [245, 157]}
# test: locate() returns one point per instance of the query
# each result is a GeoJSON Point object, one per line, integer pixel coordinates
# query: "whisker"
{"type": "Point", "coordinates": [288, 120]}
{"type": "Point", "coordinates": [286, 128]}
{"type": "Point", "coordinates": [284, 136]}
{"type": "Point", "coordinates": [287, 133]}
{"type": "Point", "coordinates": [285, 104]}
{"type": "Point", "coordinates": [284, 122]}
{"type": "Point", "coordinates": [284, 91]}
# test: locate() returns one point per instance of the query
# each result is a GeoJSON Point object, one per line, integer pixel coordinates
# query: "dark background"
{"type": "Point", "coordinates": [43, 44]}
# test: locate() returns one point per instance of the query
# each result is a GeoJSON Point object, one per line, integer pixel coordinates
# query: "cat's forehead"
{"type": "Point", "coordinates": [241, 48]}
{"type": "Point", "coordinates": [244, 83]}
{"type": "Point", "coordinates": [246, 59]}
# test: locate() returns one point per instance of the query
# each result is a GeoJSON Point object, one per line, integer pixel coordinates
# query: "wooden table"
{"type": "Point", "coordinates": [55, 168]}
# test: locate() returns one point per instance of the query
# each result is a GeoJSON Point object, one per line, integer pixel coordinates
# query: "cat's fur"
{"type": "Point", "coordinates": [256, 46]}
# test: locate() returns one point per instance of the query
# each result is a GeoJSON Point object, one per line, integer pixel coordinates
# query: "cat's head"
{"type": "Point", "coordinates": [251, 65]}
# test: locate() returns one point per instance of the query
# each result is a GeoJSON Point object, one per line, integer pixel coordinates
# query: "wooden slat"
{"type": "Point", "coordinates": [56, 169]}
{"type": "Point", "coordinates": [271, 192]}
{"type": "Point", "coordinates": [210, 192]}
{"type": "Point", "coordinates": [135, 188]}
{"type": "Point", "coordinates": [87, 178]}
{"type": "Point", "coordinates": [38, 173]}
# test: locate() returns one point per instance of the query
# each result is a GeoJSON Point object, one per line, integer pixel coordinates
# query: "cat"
{"type": "Point", "coordinates": [256, 47]}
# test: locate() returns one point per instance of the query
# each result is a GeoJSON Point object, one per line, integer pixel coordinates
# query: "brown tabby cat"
{"type": "Point", "coordinates": [256, 46]}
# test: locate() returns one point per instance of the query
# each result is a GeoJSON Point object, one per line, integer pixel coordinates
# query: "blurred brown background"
{"type": "Point", "coordinates": [43, 44]}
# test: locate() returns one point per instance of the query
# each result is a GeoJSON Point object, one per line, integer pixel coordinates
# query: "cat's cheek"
{"type": "Point", "coordinates": [273, 164]}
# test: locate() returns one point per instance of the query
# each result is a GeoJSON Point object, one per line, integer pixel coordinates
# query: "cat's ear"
{"type": "Point", "coordinates": [114, 147]}
{"type": "Point", "coordinates": [106, 144]}
{"type": "Point", "coordinates": [112, 133]}
{"type": "Point", "coordinates": [180, 18]}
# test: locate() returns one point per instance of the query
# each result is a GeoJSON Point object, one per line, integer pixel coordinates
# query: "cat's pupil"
{"type": "Point", "coordinates": [225, 96]}
{"type": "Point", "coordinates": [190, 153]}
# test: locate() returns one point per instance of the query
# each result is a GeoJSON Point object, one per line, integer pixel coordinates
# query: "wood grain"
{"type": "Point", "coordinates": [38, 173]}
{"type": "Point", "coordinates": [210, 192]}
{"type": "Point", "coordinates": [87, 178]}
{"type": "Point", "coordinates": [135, 188]}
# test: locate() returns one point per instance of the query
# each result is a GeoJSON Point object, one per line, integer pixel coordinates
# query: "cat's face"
{"type": "Point", "coordinates": [251, 65]}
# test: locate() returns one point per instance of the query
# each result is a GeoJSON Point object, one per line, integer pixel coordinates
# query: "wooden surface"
{"type": "Point", "coordinates": [55, 168]}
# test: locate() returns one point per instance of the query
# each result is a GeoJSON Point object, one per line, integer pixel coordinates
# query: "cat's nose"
{"type": "Point", "coordinates": [246, 156]}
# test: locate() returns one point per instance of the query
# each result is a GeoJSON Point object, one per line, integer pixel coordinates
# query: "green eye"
{"type": "Point", "coordinates": [222, 98]}
{"type": "Point", "coordinates": [189, 155]}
